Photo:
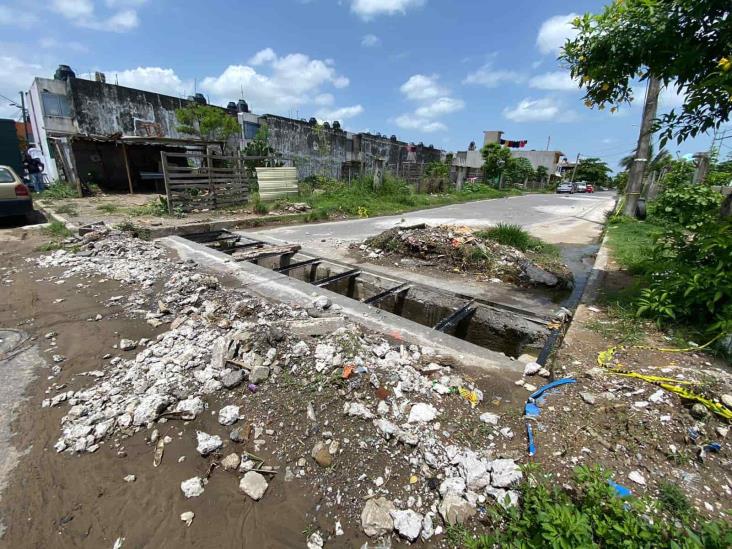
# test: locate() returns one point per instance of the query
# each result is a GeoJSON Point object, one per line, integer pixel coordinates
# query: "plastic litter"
{"type": "Point", "coordinates": [347, 371]}
{"type": "Point", "coordinates": [252, 387]}
{"type": "Point", "coordinates": [532, 410]}
{"type": "Point", "coordinates": [621, 490]}
{"type": "Point", "coordinates": [470, 396]}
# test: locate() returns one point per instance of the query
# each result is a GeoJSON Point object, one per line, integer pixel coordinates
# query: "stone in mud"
{"type": "Point", "coordinates": [504, 473]}
{"type": "Point", "coordinates": [207, 443]}
{"type": "Point", "coordinates": [231, 462]}
{"type": "Point", "coordinates": [127, 344]}
{"type": "Point", "coordinates": [149, 409]}
{"type": "Point", "coordinates": [192, 487]}
{"type": "Point", "coordinates": [490, 418]}
{"type": "Point", "coordinates": [321, 454]}
{"type": "Point", "coordinates": [191, 405]}
{"type": "Point", "coordinates": [376, 517]}
{"type": "Point", "coordinates": [532, 368]}
{"type": "Point", "coordinates": [228, 415]}
{"type": "Point", "coordinates": [357, 409]}
{"type": "Point", "coordinates": [589, 398]}
{"type": "Point", "coordinates": [240, 434]}
{"type": "Point", "coordinates": [254, 485]}
{"type": "Point", "coordinates": [233, 379]}
{"type": "Point", "coordinates": [454, 509]}
{"type": "Point", "coordinates": [259, 374]}
{"type": "Point", "coordinates": [537, 275]}
{"type": "Point", "coordinates": [407, 523]}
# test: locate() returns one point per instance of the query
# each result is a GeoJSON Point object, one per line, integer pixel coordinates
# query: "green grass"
{"type": "Point", "coordinates": [623, 325]}
{"type": "Point", "coordinates": [57, 229]}
{"type": "Point", "coordinates": [67, 209]}
{"type": "Point", "coordinates": [509, 235]}
{"type": "Point", "coordinates": [59, 190]}
{"type": "Point", "coordinates": [108, 208]}
{"type": "Point", "coordinates": [631, 242]}
{"type": "Point", "coordinates": [359, 199]}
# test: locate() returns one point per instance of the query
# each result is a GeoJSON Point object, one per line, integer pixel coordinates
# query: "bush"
{"type": "Point", "coordinates": [593, 515]}
{"type": "Point", "coordinates": [683, 203]}
{"type": "Point", "coordinates": [510, 235]}
{"type": "Point", "coordinates": [59, 189]}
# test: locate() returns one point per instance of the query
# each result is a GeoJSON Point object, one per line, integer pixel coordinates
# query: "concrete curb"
{"type": "Point", "coordinates": [50, 214]}
{"type": "Point", "coordinates": [284, 289]}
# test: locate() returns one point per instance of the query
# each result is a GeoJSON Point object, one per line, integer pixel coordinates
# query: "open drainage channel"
{"type": "Point", "coordinates": [491, 325]}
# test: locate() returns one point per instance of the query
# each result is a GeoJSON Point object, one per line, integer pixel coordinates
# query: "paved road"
{"type": "Point", "coordinates": [575, 219]}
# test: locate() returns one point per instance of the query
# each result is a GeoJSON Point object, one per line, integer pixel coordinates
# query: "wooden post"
{"type": "Point", "coordinates": [127, 167]}
{"type": "Point", "coordinates": [166, 179]}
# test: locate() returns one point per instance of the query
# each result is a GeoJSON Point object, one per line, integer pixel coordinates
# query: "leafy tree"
{"type": "Point", "coordinates": [592, 170]}
{"type": "Point", "coordinates": [662, 159]}
{"type": "Point", "coordinates": [437, 169]}
{"type": "Point", "coordinates": [259, 147]}
{"type": "Point", "coordinates": [496, 157]}
{"type": "Point", "coordinates": [620, 182]}
{"type": "Point", "coordinates": [206, 122]}
{"type": "Point", "coordinates": [518, 170]}
{"type": "Point", "coordinates": [683, 43]}
{"type": "Point", "coordinates": [542, 173]}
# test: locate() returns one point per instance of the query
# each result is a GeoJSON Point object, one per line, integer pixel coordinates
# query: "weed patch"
{"type": "Point", "coordinates": [57, 229]}
{"type": "Point", "coordinates": [58, 191]}
{"type": "Point", "coordinates": [67, 209]}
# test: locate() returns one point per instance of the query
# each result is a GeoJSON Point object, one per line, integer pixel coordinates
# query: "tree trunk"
{"type": "Point", "coordinates": [637, 169]}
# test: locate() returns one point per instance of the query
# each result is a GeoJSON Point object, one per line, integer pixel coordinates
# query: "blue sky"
{"type": "Point", "coordinates": [435, 71]}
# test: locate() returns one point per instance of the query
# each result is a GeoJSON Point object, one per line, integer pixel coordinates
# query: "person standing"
{"type": "Point", "coordinates": [34, 167]}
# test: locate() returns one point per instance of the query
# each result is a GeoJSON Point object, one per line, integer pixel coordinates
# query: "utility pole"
{"type": "Point", "coordinates": [548, 142]}
{"type": "Point", "coordinates": [25, 120]}
{"type": "Point", "coordinates": [574, 170]}
{"type": "Point", "coordinates": [637, 169]}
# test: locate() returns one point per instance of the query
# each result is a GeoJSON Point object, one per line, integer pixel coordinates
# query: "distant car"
{"type": "Point", "coordinates": [565, 188]}
{"type": "Point", "coordinates": [580, 187]}
{"type": "Point", "coordinates": [15, 198]}
{"type": "Point", "coordinates": [589, 188]}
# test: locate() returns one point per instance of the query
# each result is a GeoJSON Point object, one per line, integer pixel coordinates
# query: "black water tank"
{"type": "Point", "coordinates": [64, 72]}
{"type": "Point", "coordinates": [231, 107]}
{"type": "Point", "coordinates": [336, 125]}
{"type": "Point", "coordinates": [200, 99]}
{"type": "Point", "coordinates": [242, 106]}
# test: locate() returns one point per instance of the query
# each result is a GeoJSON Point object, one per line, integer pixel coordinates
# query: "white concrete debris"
{"type": "Point", "coordinates": [187, 517]}
{"type": "Point", "coordinates": [315, 541]}
{"type": "Point", "coordinates": [637, 477]}
{"type": "Point", "coordinates": [376, 517]}
{"type": "Point", "coordinates": [193, 487]}
{"type": "Point", "coordinates": [228, 415]}
{"type": "Point", "coordinates": [127, 344]}
{"type": "Point", "coordinates": [422, 413]}
{"type": "Point", "coordinates": [532, 368]}
{"type": "Point", "coordinates": [407, 523]}
{"type": "Point", "coordinates": [254, 485]}
{"type": "Point", "coordinates": [207, 443]}
{"type": "Point", "coordinates": [217, 340]}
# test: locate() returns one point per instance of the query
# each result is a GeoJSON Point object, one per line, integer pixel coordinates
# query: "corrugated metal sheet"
{"type": "Point", "coordinates": [9, 146]}
{"type": "Point", "coordinates": [276, 182]}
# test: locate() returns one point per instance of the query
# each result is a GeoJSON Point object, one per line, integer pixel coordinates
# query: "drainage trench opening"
{"type": "Point", "coordinates": [491, 326]}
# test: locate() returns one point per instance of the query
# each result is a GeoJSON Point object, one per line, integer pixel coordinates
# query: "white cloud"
{"type": "Point", "coordinates": [440, 107]}
{"type": "Point", "coordinates": [420, 87]}
{"type": "Point", "coordinates": [554, 31]}
{"type": "Point", "coordinates": [50, 43]}
{"type": "Point", "coordinates": [17, 17]}
{"type": "Point", "coordinates": [368, 9]}
{"type": "Point", "coordinates": [539, 110]}
{"type": "Point", "coordinates": [557, 80]}
{"type": "Point", "coordinates": [154, 79]}
{"type": "Point", "coordinates": [370, 41]}
{"type": "Point", "coordinates": [490, 78]}
{"type": "Point", "coordinates": [16, 75]}
{"type": "Point", "coordinates": [433, 101]}
{"type": "Point", "coordinates": [670, 98]}
{"type": "Point", "coordinates": [267, 55]}
{"type": "Point", "coordinates": [410, 122]}
{"type": "Point", "coordinates": [82, 14]}
{"type": "Point", "coordinates": [278, 83]}
{"type": "Point", "coordinates": [340, 114]}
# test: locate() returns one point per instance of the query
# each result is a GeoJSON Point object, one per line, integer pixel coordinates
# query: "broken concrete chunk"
{"type": "Point", "coordinates": [259, 374]}
{"type": "Point", "coordinates": [127, 344]}
{"type": "Point", "coordinates": [254, 485]}
{"type": "Point", "coordinates": [187, 517]}
{"type": "Point", "coordinates": [504, 473]}
{"type": "Point", "coordinates": [315, 326]}
{"type": "Point", "coordinates": [192, 487]}
{"type": "Point", "coordinates": [192, 405]}
{"type": "Point", "coordinates": [376, 517]}
{"type": "Point", "coordinates": [422, 413]}
{"type": "Point", "coordinates": [149, 409]}
{"type": "Point", "coordinates": [228, 415]}
{"type": "Point", "coordinates": [454, 509]}
{"type": "Point", "coordinates": [407, 523]}
{"type": "Point", "coordinates": [231, 462]}
{"type": "Point", "coordinates": [321, 454]}
{"type": "Point", "coordinates": [207, 443]}
{"type": "Point", "coordinates": [357, 409]}
{"type": "Point", "coordinates": [532, 368]}
{"type": "Point", "coordinates": [490, 418]}
{"type": "Point", "coordinates": [233, 379]}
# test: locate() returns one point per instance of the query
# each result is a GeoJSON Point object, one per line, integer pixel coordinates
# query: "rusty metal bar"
{"type": "Point", "coordinates": [455, 317]}
{"type": "Point", "coordinates": [336, 277]}
{"type": "Point", "coordinates": [313, 261]}
{"type": "Point", "coordinates": [386, 293]}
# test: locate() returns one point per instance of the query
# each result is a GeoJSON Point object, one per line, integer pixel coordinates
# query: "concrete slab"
{"type": "Point", "coordinates": [282, 288]}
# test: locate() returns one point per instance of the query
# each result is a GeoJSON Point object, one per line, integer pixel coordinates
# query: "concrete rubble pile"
{"type": "Point", "coordinates": [400, 404]}
{"type": "Point", "coordinates": [461, 248]}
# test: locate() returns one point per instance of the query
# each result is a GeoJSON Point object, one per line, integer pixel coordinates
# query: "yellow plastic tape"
{"type": "Point", "coordinates": [605, 357]}
{"type": "Point", "coordinates": [470, 396]}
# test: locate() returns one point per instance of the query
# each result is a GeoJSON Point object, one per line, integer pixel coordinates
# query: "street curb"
{"type": "Point", "coordinates": [50, 214]}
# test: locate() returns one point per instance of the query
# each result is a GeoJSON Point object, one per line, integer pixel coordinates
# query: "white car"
{"type": "Point", "coordinates": [15, 198]}
{"type": "Point", "coordinates": [565, 188]}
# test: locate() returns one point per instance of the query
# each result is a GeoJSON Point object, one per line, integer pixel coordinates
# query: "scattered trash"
{"type": "Point", "coordinates": [622, 491]}
{"type": "Point", "coordinates": [187, 517]}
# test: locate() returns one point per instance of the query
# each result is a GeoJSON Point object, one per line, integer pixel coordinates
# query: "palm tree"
{"type": "Point", "coordinates": [662, 159]}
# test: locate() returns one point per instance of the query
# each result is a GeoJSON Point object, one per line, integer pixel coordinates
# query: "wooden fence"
{"type": "Point", "coordinates": [195, 180]}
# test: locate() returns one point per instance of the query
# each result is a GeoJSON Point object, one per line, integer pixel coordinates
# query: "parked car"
{"type": "Point", "coordinates": [565, 188]}
{"type": "Point", "coordinates": [590, 188]}
{"type": "Point", "coordinates": [15, 198]}
{"type": "Point", "coordinates": [580, 187]}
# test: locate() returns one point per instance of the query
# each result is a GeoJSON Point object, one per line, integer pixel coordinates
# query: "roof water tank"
{"type": "Point", "coordinates": [64, 72]}
{"type": "Point", "coordinates": [242, 106]}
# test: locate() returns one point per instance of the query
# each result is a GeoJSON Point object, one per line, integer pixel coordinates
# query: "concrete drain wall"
{"type": "Point", "coordinates": [491, 326]}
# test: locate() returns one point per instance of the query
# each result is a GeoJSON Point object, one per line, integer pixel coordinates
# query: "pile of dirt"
{"type": "Point", "coordinates": [461, 249]}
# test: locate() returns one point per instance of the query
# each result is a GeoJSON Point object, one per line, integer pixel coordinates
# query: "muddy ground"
{"type": "Point", "coordinates": [67, 500]}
